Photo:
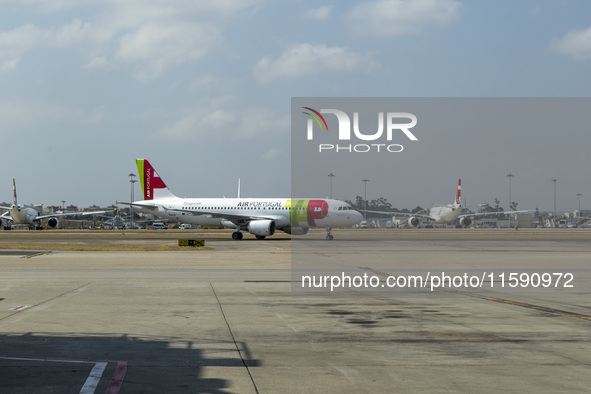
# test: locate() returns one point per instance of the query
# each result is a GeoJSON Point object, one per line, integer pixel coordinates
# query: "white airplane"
{"type": "Point", "coordinates": [259, 216]}
{"type": "Point", "coordinates": [116, 222]}
{"type": "Point", "coordinates": [119, 222]}
{"type": "Point", "coordinates": [445, 214]}
{"type": "Point", "coordinates": [17, 214]}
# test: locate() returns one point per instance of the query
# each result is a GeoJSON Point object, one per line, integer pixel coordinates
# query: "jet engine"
{"type": "Point", "coordinates": [53, 222]}
{"type": "Point", "coordinates": [465, 221]}
{"type": "Point", "coordinates": [414, 221]}
{"type": "Point", "coordinates": [295, 230]}
{"type": "Point", "coordinates": [261, 227]}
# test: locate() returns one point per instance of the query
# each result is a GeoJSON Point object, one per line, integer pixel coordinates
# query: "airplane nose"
{"type": "Point", "coordinates": [356, 217]}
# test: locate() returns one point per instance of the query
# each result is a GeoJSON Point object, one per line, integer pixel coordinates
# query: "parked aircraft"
{"type": "Point", "coordinates": [258, 216]}
{"type": "Point", "coordinates": [18, 214]}
{"type": "Point", "coordinates": [122, 222]}
{"type": "Point", "coordinates": [445, 214]}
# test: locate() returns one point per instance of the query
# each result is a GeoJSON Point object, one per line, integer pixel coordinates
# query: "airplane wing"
{"type": "Point", "coordinates": [493, 213]}
{"type": "Point", "coordinates": [7, 209]}
{"type": "Point", "coordinates": [149, 206]}
{"type": "Point", "coordinates": [228, 216]}
{"type": "Point", "coordinates": [5, 215]}
{"type": "Point", "coordinates": [395, 213]}
{"type": "Point", "coordinates": [69, 214]}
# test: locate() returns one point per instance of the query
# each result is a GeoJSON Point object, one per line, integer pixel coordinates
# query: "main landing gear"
{"type": "Point", "coordinates": [237, 235]}
{"type": "Point", "coordinates": [329, 236]}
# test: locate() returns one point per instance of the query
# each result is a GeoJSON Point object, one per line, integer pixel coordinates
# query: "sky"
{"type": "Point", "coordinates": [203, 90]}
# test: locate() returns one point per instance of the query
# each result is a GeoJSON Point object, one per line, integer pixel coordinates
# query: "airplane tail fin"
{"type": "Point", "coordinates": [14, 191]}
{"type": "Point", "coordinates": [459, 193]}
{"type": "Point", "coordinates": [152, 185]}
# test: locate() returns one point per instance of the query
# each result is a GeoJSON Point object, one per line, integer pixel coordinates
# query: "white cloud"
{"type": "Point", "coordinates": [99, 62]}
{"type": "Point", "coordinates": [272, 154]}
{"type": "Point", "coordinates": [50, 5]}
{"type": "Point", "coordinates": [255, 122]}
{"type": "Point", "coordinates": [97, 115]}
{"type": "Point", "coordinates": [35, 113]}
{"type": "Point", "coordinates": [576, 43]}
{"type": "Point", "coordinates": [401, 17]}
{"type": "Point", "coordinates": [153, 48]}
{"type": "Point", "coordinates": [306, 59]}
{"type": "Point", "coordinates": [217, 120]}
{"type": "Point", "coordinates": [321, 13]}
{"type": "Point", "coordinates": [15, 43]}
{"type": "Point", "coordinates": [9, 65]}
{"type": "Point", "coordinates": [149, 35]}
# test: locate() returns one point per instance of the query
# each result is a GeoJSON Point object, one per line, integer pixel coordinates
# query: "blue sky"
{"type": "Point", "coordinates": [203, 89]}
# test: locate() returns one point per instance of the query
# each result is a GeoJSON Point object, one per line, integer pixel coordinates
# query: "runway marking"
{"type": "Point", "coordinates": [117, 379]}
{"type": "Point", "coordinates": [42, 305]}
{"type": "Point", "coordinates": [234, 339]}
{"type": "Point", "coordinates": [352, 375]}
{"type": "Point", "coordinates": [95, 374]}
{"type": "Point", "coordinates": [500, 300]}
{"type": "Point", "coordinates": [35, 254]}
{"type": "Point", "coordinates": [93, 378]}
{"type": "Point", "coordinates": [19, 307]}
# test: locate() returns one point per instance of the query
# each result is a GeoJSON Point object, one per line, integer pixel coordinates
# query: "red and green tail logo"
{"type": "Point", "coordinates": [149, 179]}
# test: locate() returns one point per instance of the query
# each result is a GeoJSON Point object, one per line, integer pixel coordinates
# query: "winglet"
{"type": "Point", "coordinates": [152, 185]}
{"type": "Point", "coordinates": [459, 192]}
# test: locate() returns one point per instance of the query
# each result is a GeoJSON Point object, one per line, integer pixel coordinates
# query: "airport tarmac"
{"type": "Point", "coordinates": [224, 320]}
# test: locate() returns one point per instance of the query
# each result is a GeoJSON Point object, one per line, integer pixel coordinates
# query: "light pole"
{"type": "Point", "coordinates": [331, 175]}
{"type": "Point", "coordinates": [554, 180]}
{"type": "Point", "coordinates": [579, 200]}
{"type": "Point", "coordinates": [132, 180]}
{"type": "Point", "coordinates": [510, 202]}
{"type": "Point", "coordinates": [365, 198]}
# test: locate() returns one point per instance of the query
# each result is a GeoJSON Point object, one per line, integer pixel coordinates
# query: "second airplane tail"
{"type": "Point", "coordinates": [152, 185]}
{"type": "Point", "coordinates": [14, 191]}
{"type": "Point", "coordinates": [459, 193]}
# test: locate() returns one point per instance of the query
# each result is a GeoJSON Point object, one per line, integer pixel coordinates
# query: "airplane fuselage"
{"type": "Point", "coordinates": [23, 215]}
{"type": "Point", "coordinates": [445, 214]}
{"type": "Point", "coordinates": [303, 213]}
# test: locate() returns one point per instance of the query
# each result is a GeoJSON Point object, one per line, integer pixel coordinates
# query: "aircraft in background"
{"type": "Point", "coordinates": [445, 214]}
{"type": "Point", "coordinates": [17, 214]}
{"type": "Point", "coordinates": [258, 216]}
{"type": "Point", "coordinates": [116, 222]}
{"type": "Point", "coordinates": [122, 222]}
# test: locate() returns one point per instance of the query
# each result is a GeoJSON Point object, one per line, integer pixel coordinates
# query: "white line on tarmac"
{"type": "Point", "coordinates": [13, 318]}
{"type": "Point", "coordinates": [351, 374]}
{"type": "Point", "coordinates": [93, 378]}
{"type": "Point", "coordinates": [18, 308]}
